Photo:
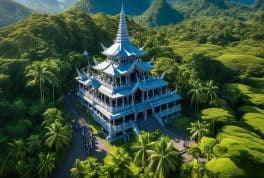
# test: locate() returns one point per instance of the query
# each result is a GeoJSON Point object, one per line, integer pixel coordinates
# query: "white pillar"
{"type": "Point", "coordinates": [145, 115]}
{"type": "Point", "coordinates": [123, 101]}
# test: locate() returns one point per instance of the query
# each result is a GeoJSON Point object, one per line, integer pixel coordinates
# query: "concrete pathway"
{"type": "Point", "coordinates": [76, 150]}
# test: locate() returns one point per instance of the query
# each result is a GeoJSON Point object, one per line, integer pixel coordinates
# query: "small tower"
{"type": "Point", "coordinates": [124, 94]}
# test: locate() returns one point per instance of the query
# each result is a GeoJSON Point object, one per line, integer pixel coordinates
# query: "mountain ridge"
{"type": "Point", "coordinates": [112, 7]}
{"type": "Point", "coordinates": [159, 13]}
{"type": "Point", "coordinates": [11, 12]}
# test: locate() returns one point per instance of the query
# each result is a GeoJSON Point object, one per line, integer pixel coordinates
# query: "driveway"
{"type": "Point", "coordinates": [76, 150]}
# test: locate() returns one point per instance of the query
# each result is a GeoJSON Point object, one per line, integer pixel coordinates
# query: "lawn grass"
{"type": "Point", "coordinates": [224, 168]}
{"type": "Point", "coordinates": [243, 64]}
{"type": "Point", "coordinates": [250, 95]}
{"type": "Point", "coordinates": [250, 109]}
{"type": "Point", "coordinates": [182, 123]}
{"type": "Point", "coordinates": [241, 143]}
{"type": "Point", "coordinates": [254, 121]}
{"type": "Point", "coordinates": [217, 114]}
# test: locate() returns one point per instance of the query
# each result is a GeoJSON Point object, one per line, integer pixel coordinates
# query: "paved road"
{"type": "Point", "coordinates": [76, 150]}
{"type": "Point", "coordinates": [178, 137]}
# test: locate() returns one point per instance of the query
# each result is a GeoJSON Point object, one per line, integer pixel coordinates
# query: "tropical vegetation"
{"type": "Point", "coordinates": [213, 57]}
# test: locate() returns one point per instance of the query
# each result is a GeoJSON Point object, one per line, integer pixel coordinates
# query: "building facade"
{"type": "Point", "coordinates": [124, 93]}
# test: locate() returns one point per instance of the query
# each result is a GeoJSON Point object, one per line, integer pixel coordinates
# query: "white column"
{"type": "Point", "coordinates": [123, 101]}
{"type": "Point", "coordinates": [115, 102]}
{"type": "Point", "coordinates": [145, 115]}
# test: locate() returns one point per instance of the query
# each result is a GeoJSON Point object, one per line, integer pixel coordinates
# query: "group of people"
{"type": "Point", "coordinates": [88, 139]}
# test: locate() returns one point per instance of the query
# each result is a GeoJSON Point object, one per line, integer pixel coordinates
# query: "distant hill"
{"type": "Point", "coordinates": [48, 5]}
{"type": "Point", "coordinates": [202, 7]}
{"type": "Point", "coordinates": [112, 7]}
{"type": "Point", "coordinates": [246, 2]}
{"type": "Point", "coordinates": [160, 13]}
{"type": "Point", "coordinates": [11, 12]}
{"type": "Point", "coordinates": [259, 5]}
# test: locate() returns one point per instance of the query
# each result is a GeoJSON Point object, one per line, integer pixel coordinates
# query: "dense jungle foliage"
{"type": "Point", "coordinates": [215, 62]}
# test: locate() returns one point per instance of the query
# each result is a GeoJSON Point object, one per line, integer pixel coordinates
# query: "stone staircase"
{"type": "Point", "coordinates": [159, 120]}
{"type": "Point", "coordinates": [157, 117]}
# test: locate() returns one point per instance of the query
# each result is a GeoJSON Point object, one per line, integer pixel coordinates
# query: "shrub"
{"type": "Point", "coordinates": [207, 141]}
{"type": "Point", "coordinates": [255, 121]}
{"type": "Point", "coordinates": [224, 168]}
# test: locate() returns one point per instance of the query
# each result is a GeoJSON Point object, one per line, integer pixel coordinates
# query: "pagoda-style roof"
{"type": "Point", "coordinates": [142, 85]}
{"type": "Point", "coordinates": [118, 69]}
{"type": "Point", "coordinates": [122, 47]}
{"type": "Point", "coordinates": [86, 79]}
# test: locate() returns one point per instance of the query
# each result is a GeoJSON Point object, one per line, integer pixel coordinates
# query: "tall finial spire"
{"type": "Point", "coordinates": [122, 34]}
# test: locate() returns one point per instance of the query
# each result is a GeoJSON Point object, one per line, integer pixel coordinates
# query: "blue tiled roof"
{"type": "Point", "coordinates": [168, 99]}
{"type": "Point", "coordinates": [148, 85]}
{"type": "Point", "coordinates": [145, 66]}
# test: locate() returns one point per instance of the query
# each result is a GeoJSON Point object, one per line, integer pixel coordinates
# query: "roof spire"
{"type": "Point", "coordinates": [122, 34]}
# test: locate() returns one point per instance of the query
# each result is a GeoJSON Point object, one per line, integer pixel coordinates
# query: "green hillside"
{"type": "Point", "coordinates": [48, 5]}
{"type": "Point", "coordinates": [246, 2]}
{"type": "Point", "coordinates": [215, 60]}
{"type": "Point", "coordinates": [112, 7]}
{"type": "Point", "coordinates": [11, 12]}
{"type": "Point", "coordinates": [38, 37]}
{"type": "Point", "coordinates": [160, 13]}
{"type": "Point", "coordinates": [259, 5]}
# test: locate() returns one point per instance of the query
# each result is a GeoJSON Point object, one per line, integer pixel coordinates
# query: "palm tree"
{"type": "Point", "coordinates": [208, 149]}
{"type": "Point", "coordinates": [141, 149]}
{"type": "Point", "coordinates": [51, 115]}
{"type": "Point", "coordinates": [17, 150]}
{"type": "Point", "coordinates": [119, 164]}
{"type": "Point", "coordinates": [54, 67]}
{"type": "Point", "coordinates": [78, 170]}
{"type": "Point", "coordinates": [86, 168]}
{"type": "Point", "coordinates": [163, 159]}
{"type": "Point", "coordinates": [26, 168]}
{"type": "Point", "coordinates": [198, 130]}
{"type": "Point", "coordinates": [195, 151]}
{"type": "Point", "coordinates": [6, 166]}
{"type": "Point", "coordinates": [33, 143]}
{"type": "Point", "coordinates": [211, 90]}
{"type": "Point", "coordinates": [38, 73]}
{"type": "Point", "coordinates": [46, 164]}
{"type": "Point", "coordinates": [197, 95]}
{"type": "Point", "coordinates": [58, 136]}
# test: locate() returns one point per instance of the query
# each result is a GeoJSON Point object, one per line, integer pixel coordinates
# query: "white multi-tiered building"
{"type": "Point", "coordinates": [124, 93]}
